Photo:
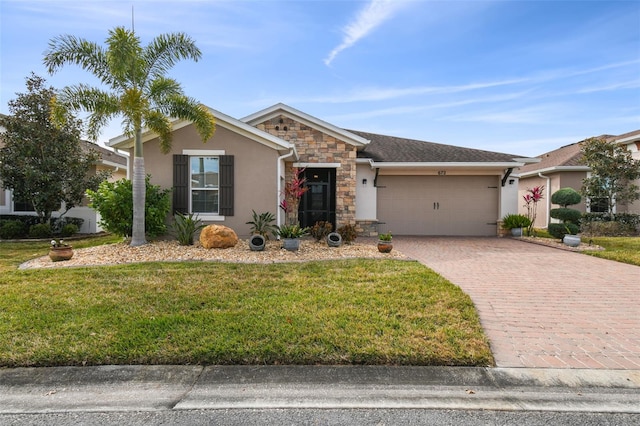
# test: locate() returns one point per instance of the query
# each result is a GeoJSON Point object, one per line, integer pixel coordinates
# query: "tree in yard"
{"type": "Point", "coordinates": [613, 171]}
{"type": "Point", "coordinates": [44, 164]}
{"type": "Point", "coordinates": [137, 90]}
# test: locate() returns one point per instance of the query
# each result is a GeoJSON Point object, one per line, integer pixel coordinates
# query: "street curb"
{"type": "Point", "coordinates": [152, 388]}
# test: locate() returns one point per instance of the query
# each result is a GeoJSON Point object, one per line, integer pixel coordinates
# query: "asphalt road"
{"type": "Point", "coordinates": [244, 417]}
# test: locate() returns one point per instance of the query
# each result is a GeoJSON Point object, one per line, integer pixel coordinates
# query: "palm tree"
{"type": "Point", "coordinates": [138, 91]}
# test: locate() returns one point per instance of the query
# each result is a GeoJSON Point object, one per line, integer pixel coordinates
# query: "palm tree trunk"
{"type": "Point", "coordinates": [138, 237]}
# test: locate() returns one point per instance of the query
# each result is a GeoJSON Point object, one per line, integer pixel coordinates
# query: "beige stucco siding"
{"type": "Point", "coordinates": [255, 170]}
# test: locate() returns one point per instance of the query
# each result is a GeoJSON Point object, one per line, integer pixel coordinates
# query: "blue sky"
{"type": "Point", "coordinates": [521, 77]}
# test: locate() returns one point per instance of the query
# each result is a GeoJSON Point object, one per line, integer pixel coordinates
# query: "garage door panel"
{"type": "Point", "coordinates": [438, 205]}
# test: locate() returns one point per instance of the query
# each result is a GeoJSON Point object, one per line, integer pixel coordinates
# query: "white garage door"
{"type": "Point", "coordinates": [438, 205]}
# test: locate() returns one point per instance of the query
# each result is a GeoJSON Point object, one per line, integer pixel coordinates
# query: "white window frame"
{"type": "Point", "coordinates": [203, 153]}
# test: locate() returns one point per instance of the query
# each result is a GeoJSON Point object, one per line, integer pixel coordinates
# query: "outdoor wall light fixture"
{"type": "Point", "coordinates": [511, 181]}
{"type": "Point", "coordinates": [364, 181]}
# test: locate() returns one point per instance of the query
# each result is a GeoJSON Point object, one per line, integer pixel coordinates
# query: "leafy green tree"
{"type": "Point", "coordinates": [613, 171]}
{"type": "Point", "coordinates": [137, 90]}
{"type": "Point", "coordinates": [44, 164]}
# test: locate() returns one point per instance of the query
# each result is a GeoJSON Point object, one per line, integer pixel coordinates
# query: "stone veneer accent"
{"type": "Point", "coordinates": [314, 146]}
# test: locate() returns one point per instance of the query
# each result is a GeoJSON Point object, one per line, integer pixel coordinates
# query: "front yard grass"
{"type": "Point", "coordinates": [324, 312]}
{"type": "Point", "coordinates": [620, 249]}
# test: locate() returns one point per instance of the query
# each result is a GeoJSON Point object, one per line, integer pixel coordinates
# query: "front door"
{"type": "Point", "coordinates": [319, 202]}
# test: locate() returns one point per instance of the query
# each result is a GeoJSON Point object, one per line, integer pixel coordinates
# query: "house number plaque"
{"type": "Point", "coordinates": [442, 172]}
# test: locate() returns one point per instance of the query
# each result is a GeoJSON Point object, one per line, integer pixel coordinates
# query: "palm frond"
{"type": "Point", "coordinates": [158, 122]}
{"type": "Point", "coordinates": [124, 56]}
{"type": "Point", "coordinates": [188, 108]}
{"type": "Point", "coordinates": [68, 49]}
{"type": "Point", "coordinates": [166, 50]}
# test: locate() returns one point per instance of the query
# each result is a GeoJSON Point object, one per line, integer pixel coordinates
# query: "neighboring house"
{"type": "Point", "coordinates": [112, 161]}
{"type": "Point", "coordinates": [563, 168]}
{"type": "Point", "coordinates": [378, 183]}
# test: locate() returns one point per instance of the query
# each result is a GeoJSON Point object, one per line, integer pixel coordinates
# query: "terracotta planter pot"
{"type": "Point", "coordinates": [385, 246]}
{"type": "Point", "coordinates": [58, 254]}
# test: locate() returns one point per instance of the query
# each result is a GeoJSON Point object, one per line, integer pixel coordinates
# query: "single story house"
{"type": "Point", "coordinates": [563, 168]}
{"type": "Point", "coordinates": [377, 183]}
{"type": "Point", "coordinates": [116, 163]}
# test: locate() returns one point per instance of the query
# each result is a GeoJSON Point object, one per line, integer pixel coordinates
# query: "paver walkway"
{"type": "Point", "coordinates": [541, 306]}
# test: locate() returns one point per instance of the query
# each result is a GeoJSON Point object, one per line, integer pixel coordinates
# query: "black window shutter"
{"type": "Point", "coordinates": [180, 184]}
{"type": "Point", "coordinates": [226, 185]}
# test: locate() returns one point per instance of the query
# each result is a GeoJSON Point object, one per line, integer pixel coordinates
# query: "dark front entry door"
{"type": "Point", "coordinates": [319, 202]}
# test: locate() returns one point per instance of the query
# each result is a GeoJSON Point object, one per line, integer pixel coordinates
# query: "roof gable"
{"type": "Point", "coordinates": [222, 120]}
{"type": "Point", "coordinates": [306, 119]}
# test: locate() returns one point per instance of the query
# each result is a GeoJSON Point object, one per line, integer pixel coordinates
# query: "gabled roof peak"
{"type": "Point", "coordinates": [308, 120]}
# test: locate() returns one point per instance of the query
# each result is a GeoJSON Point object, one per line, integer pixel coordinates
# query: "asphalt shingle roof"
{"type": "Point", "coordinates": [400, 150]}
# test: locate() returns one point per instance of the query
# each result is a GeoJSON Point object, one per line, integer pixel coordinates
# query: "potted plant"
{"type": "Point", "coordinates": [515, 223]}
{"type": "Point", "coordinates": [261, 226]}
{"type": "Point", "coordinates": [290, 235]}
{"type": "Point", "coordinates": [291, 231]}
{"type": "Point", "coordinates": [384, 242]}
{"type": "Point", "coordinates": [60, 251]}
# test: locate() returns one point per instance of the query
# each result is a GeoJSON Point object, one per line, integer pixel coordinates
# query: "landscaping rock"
{"type": "Point", "coordinates": [218, 236]}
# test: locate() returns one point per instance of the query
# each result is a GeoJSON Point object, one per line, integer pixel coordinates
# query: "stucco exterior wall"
{"type": "Point", "coordinates": [255, 171]}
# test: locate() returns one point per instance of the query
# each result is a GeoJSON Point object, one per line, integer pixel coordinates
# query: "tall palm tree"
{"type": "Point", "coordinates": [136, 90]}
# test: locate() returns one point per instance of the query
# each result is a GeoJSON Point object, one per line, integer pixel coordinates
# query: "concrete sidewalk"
{"type": "Point", "coordinates": [150, 388]}
{"type": "Point", "coordinates": [540, 306]}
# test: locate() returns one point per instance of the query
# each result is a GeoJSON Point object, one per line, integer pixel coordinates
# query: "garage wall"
{"type": "Point", "coordinates": [438, 205]}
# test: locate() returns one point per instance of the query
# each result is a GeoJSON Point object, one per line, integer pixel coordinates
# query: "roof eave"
{"type": "Point", "coordinates": [222, 120]}
{"type": "Point", "coordinates": [449, 165]}
{"type": "Point", "coordinates": [554, 169]}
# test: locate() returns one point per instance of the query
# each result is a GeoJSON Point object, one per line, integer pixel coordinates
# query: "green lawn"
{"type": "Point", "coordinates": [620, 249]}
{"type": "Point", "coordinates": [331, 312]}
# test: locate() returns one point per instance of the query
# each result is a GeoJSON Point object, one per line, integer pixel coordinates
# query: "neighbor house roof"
{"type": "Point", "coordinates": [107, 156]}
{"type": "Point", "coordinates": [626, 138]}
{"type": "Point", "coordinates": [399, 151]}
{"type": "Point", "coordinates": [564, 159]}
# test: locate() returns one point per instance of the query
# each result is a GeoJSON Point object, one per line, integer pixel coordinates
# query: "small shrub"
{"type": "Point", "coordinates": [512, 221]}
{"type": "Point", "coordinates": [10, 229]}
{"type": "Point", "coordinates": [40, 230]}
{"type": "Point", "coordinates": [321, 229]}
{"type": "Point", "coordinates": [609, 229]}
{"type": "Point", "coordinates": [566, 197]}
{"type": "Point", "coordinates": [262, 224]}
{"type": "Point", "coordinates": [114, 202]}
{"type": "Point", "coordinates": [348, 233]}
{"type": "Point", "coordinates": [185, 227]}
{"type": "Point", "coordinates": [69, 229]}
{"type": "Point", "coordinates": [559, 230]}
{"type": "Point", "coordinates": [566, 215]}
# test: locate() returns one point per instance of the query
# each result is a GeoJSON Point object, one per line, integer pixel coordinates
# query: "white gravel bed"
{"type": "Point", "coordinates": [168, 251]}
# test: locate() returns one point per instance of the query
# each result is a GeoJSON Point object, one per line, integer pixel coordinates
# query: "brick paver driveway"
{"type": "Point", "coordinates": [540, 306]}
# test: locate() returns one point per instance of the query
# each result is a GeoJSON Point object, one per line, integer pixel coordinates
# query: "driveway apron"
{"type": "Point", "coordinates": [540, 306]}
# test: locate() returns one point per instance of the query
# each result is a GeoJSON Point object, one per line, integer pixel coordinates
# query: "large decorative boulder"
{"type": "Point", "coordinates": [218, 236]}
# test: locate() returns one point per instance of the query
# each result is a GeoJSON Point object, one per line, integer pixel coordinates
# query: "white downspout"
{"type": "Point", "coordinates": [548, 186]}
{"type": "Point", "coordinates": [279, 171]}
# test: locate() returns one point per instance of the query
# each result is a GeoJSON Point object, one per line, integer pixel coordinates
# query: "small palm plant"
{"type": "Point", "coordinates": [185, 227]}
{"type": "Point", "coordinates": [262, 224]}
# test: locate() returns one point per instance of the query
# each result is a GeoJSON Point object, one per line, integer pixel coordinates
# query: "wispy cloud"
{"type": "Point", "coordinates": [368, 19]}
